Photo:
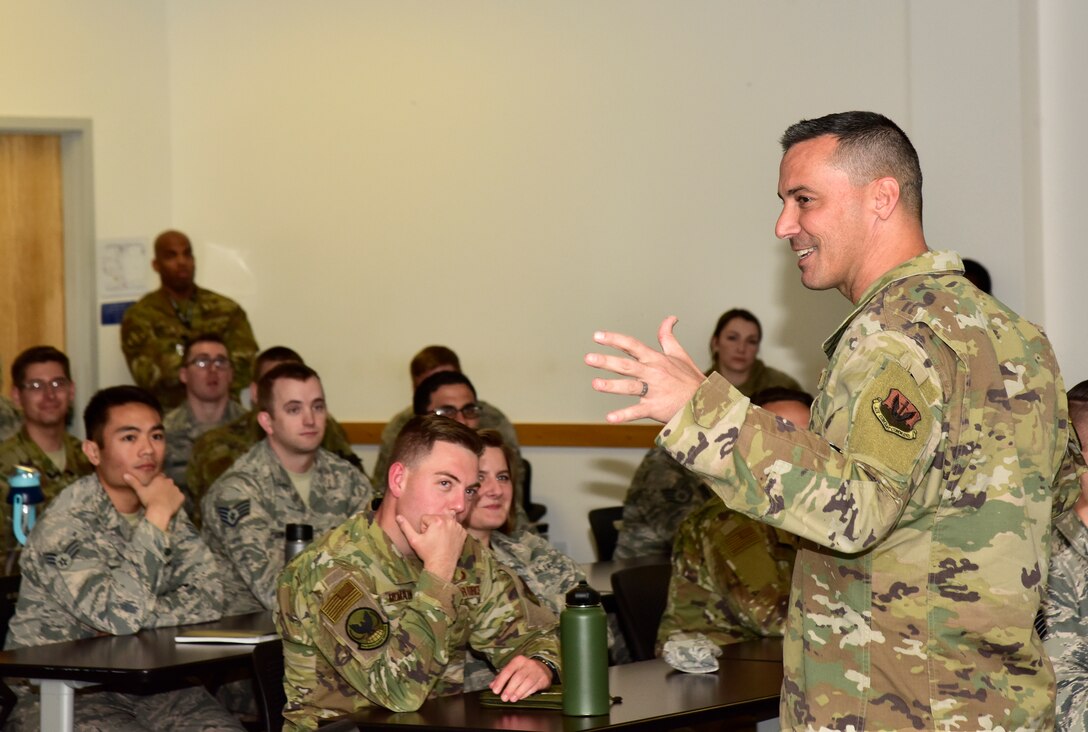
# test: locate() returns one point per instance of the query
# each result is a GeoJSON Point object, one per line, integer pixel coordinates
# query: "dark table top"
{"type": "Point", "coordinates": [134, 659]}
{"type": "Point", "coordinates": [655, 696]}
{"type": "Point", "coordinates": [764, 649]}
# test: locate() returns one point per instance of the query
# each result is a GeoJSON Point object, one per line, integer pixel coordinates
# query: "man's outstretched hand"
{"type": "Point", "coordinates": [663, 380]}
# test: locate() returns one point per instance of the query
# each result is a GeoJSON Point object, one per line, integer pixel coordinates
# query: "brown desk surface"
{"type": "Point", "coordinates": [764, 649]}
{"type": "Point", "coordinates": [654, 697]}
{"type": "Point", "coordinates": [133, 659]}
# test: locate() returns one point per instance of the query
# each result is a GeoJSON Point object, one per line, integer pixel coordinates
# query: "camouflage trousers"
{"type": "Point", "coordinates": [184, 710]}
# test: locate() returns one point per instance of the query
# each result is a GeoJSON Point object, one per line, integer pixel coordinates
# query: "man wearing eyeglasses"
{"type": "Point", "coordinates": [42, 388]}
{"type": "Point", "coordinates": [206, 373]}
{"type": "Point", "coordinates": [286, 478]}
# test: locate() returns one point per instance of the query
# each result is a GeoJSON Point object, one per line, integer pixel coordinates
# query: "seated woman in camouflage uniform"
{"type": "Point", "coordinates": [545, 570]}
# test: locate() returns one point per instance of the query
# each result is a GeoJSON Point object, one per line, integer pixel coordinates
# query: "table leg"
{"type": "Point", "coordinates": [58, 703]}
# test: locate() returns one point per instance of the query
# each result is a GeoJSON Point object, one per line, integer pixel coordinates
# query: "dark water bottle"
{"type": "Point", "coordinates": [584, 646]}
{"type": "Point", "coordinates": [298, 537]}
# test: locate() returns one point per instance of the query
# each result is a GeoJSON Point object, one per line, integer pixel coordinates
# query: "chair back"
{"type": "Point", "coordinates": [9, 596]}
{"type": "Point", "coordinates": [641, 593]}
{"type": "Point", "coordinates": [268, 683]}
{"type": "Point", "coordinates": [604, 524]}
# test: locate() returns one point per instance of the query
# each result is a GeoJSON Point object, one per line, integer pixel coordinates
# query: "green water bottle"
{"type": "Point", "coordinates": [584, 646]}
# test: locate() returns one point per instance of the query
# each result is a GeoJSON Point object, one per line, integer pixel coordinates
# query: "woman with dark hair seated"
{"type": "Point", "coordinates": [734, 348]}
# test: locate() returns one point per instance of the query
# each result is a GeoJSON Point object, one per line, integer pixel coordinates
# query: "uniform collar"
{"type": "Point", "coordinates": [929, 262]}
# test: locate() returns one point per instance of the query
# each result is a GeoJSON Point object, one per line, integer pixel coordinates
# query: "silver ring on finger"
{"type": "Point", "coordinates": [645, 388]}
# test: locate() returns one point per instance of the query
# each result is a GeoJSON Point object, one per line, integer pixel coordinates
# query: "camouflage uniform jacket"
{"type": "Point", "coordinates": [10, 419]}
{"type": "Point", "coordinates": [730, 577]}
{"type": "Point", "coordinates": [662, 493]}
{"type": "Point", "coordinates": [364, 625]}
{"type": "Point", "coordinates": [246, 512]}
{"type": "Point", "coordinates": [661, 496]}
{"type": "Point", "coordinates": [182, 431]}
{"type": "Point", "coordinates": [20, 449]}
{"type": "Point", "coordinates": [153, 338]}
{"type": "Point", "coordinates": [215, 451]}
{"type": "Point", "coordinates": [87, 571]}
{"type": "Point", "coordinates": [1067, 621]}
{"type": "Point", "coordinates": [926, 487]}
{"type": "Point", "coordinates": [763, 377]}
{"type": "Point", "coordinates": [547, 572]}
{"type": "Point", "coordinates": [490, 418]}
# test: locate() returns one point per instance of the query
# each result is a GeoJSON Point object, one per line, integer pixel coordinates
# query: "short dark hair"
{"type": "Point", "coordinates": [1078, 401]}
{"type": "Point", "coordinates": [781, 394]}
{"type": "Point", "coordinates": [288, 370]}
{"type": "Point", "coordinates": [275, 354]}
{"type": "Point", "coordinates": [870, 146]}
{"type": "Point", "coordinates": [433, 383]}
{"type": "Point", "coordinates": [431, 358]}
{"type": "Point", "coordinates": [724, 321]}
{"type": "Point", "coordinates": [419, 435]}
{"type": "Point", "coordinates": [98, 409]}
{"type": "Point", "coordinates": [202, 338]}
{"type": "Point", "coordinates": [978, 275]}
{"type": "Point", "coordinates": [493, 438]}
{"type": "Point", "coordinates": [37, 354]}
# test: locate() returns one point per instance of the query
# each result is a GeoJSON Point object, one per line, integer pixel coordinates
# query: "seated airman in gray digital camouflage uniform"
{"type": "Point", "coordinates": [115, 554]}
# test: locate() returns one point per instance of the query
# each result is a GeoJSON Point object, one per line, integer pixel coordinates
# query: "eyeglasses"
{"type": "Point", "coordinates": [37, 386]}
{"type": "Point", "coordinates": [219, 363]}
{"type": "Point", "coordinates": [469, 411]}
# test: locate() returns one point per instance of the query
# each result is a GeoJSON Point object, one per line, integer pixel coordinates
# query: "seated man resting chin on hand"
{"type": "Point", "coordinates": [383, 609]}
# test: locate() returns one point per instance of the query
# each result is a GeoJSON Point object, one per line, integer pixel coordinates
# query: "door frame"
{"type": "Point", "coordinates": [80, 265]}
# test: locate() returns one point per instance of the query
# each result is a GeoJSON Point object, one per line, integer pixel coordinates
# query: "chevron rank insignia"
{"type": "Point", "coordinates": [63, 559]}
{"type": "Point", "coordinates": [231, 515]}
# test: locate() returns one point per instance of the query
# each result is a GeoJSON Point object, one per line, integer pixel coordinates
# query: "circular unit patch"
{"type": "Point", "coordinates": [367, 628]}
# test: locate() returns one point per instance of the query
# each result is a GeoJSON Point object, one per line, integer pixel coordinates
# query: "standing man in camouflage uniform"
{"type": "Point", "coordinates": [155, 330]}
{"type": "Point", "coordinates": [42, 387]}
{"type": "Point", "coordinates": [285, 479]}
{"type": "Point", "coordinates": [113, 555]}
{"type": "Point", "coordinates": [206, 373]}
{"type": "Point", "coordinates": [216, 450]}
{"type": "Point", "coordinates": [1067, 593]}
{"type": "Point", "coordinates": [381, 611]}
{"type": "Point", "coordinates": [428, 361]}
{"type": "Point", "coordinates": [926, 485]}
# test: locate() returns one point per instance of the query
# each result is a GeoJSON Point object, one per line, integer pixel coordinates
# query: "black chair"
{"type": "Point", "coordinates": [268, 683]}
{"type": "Point", "coordinates": [604, 524]}
{"type": "Point", "coordinates": [535, 511]}
{"type": "Point", "coordinates": [641, 594]}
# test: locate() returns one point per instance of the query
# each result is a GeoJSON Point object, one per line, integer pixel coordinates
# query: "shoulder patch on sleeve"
{"type": "Point", "coordinates": [892, 420]}
{"type": "Point", "coordinates": [340, 599]}
{"type": "Point", "coordinates": [231, 515]}
{"type": "Point", "coordinates": [63, 558]}
{"type": "Point", "coordinates": [367, 628]}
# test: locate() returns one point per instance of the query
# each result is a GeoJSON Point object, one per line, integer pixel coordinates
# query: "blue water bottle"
{"type": "Point", "coordinates": [24, 495]}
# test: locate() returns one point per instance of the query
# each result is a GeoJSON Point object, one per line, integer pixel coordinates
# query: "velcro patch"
{"type": "Point", "coordinates": [231, 515]}
{"type": "Point", "coordinates": [470, 590]}
{"type": "Point", "coordinates": [740, 538]}
{"type": "Point", "coordinates": [367, 628]}
{"type": "Point", "coordinates": [342, 598]}
{"type": "Point", "coordinates": [397, 596]}
{"type": "Point", "coordinates": [890, 416]}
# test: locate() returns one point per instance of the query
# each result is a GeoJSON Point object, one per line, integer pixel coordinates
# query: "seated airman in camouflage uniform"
{"type": "Point", "coordinates": [547, 572]}
{"type": "Point", "coordinates": [286, 478]}
{"type": "Point", "coordinates": [42, 387]}
{"type": "Point", "coordinates": [731, 574]}
{"type": "Point", "coordinates": [216, 450]}
{"type": "Point", "coordinates": [115, 554]}
{"type": "Point", "coordinates": [428, 361]}
{"type": "Point", "coordinates": [382, 610]}
{"type": "Point", "coordinates": [939, 450]}
{"type": "Point", "coordinates": [155, 330]}
{"type": "Point", "coordinates": [1067, 593]}
{"type": "Point", "coordinates": [206, 373]}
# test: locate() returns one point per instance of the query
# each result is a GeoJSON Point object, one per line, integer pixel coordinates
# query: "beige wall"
{"type": "Point", "coordinates": [369, 177]}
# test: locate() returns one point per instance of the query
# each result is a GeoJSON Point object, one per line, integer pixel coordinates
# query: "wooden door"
{"type": "Point", "coordinates": [31, 246]}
